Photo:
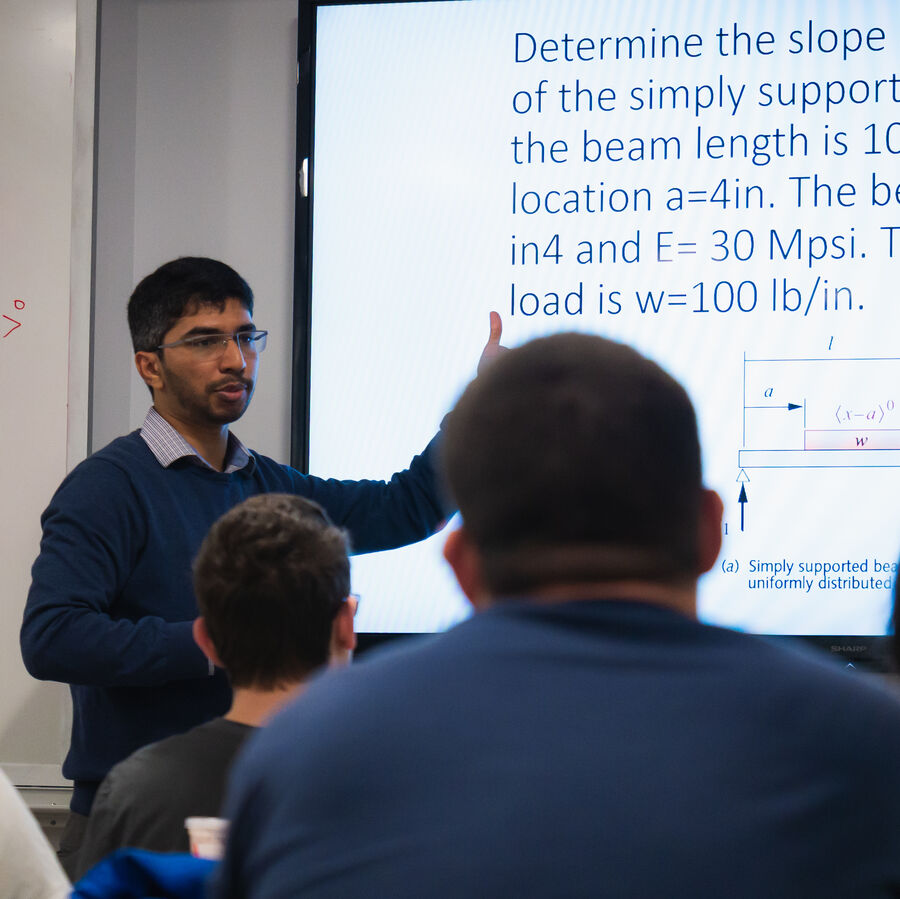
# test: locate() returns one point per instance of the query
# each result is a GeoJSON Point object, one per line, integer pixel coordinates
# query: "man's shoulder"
{"type": "Point", "coordinates": [125, 453]}
{"type": "Point", "coordinates": [125, 446]}
{"type": "Point", "coordinates": [104, 479]}
{"type": "Point", "coordinates": [145, 771]}
{"type": "Point", "coordinates": [270, 474]}
{"type": "Point", "coordinates": [268, 464]}
{"type": "Point", "coordinates": [218, 732]}
{"type": "Point", "coordinates": [150, 769]}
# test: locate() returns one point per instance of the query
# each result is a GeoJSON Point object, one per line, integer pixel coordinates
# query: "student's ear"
{"type": "Point", "coordinates": [464, 559]}
{"type": "Point", "coordinates": [204, 641]}
{"type": "Point", "coordinates": [709, 536]}
{"type": "Point", "coordinates": [149, 368]}
{"type": "Point", "coordinates": [343, 633]}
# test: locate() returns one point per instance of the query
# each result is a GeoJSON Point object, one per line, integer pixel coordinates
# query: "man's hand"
{"type": "Point", "coordinates": [492, 348]}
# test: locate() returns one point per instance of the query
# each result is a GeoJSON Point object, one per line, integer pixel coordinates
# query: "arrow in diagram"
{"type": "Point", "coordinates": [742, 499]}
{"type": "Point", "coordinates": [790, 407]}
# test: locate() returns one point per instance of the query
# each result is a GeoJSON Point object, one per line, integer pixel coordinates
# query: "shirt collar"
{"type": "Point", "coordinates": [168, 446]}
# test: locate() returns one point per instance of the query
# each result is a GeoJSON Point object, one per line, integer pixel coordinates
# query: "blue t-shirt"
{"type": "Point", "coordinates": [588, 749]}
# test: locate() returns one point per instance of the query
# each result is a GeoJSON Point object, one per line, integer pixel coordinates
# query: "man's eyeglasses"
{"type": "Point", "coordinates": [211, 346]}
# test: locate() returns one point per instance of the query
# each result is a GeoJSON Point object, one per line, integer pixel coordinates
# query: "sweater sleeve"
{"type": "Point", "coordinates": [73, 630]}
{"type": "Point", "coordinates": [380, 515]}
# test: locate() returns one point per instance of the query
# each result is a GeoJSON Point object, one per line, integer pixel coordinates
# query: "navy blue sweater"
{"type": "Point", "coordinates": [111, 601]}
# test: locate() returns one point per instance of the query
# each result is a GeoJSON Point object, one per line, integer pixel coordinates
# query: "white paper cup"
{"type": "Point", "coordinates": [207, 836]}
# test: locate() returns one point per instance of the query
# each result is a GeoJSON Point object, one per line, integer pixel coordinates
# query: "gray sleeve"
{"type": "Point", "coordinates": [106, 825]}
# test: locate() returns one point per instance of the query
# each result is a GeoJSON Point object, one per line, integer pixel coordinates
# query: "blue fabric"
{"type": "Point", "coordinates": [589, 749]}
{"type": "Point", "coordinates": [111, 604]}
{"type": "Point", "coordinates": [139, 874]}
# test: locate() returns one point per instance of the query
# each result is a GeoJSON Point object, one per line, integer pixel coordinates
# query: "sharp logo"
{"type": "Point", "coordinates": [837, 647]}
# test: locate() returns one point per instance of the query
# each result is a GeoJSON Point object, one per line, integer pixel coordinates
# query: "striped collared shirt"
{"type": "Point", "coordinates": [168, 446]}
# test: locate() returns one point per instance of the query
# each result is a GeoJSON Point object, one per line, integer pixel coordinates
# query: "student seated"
{"type": "Point", "coordinates": [583, 734]}
{"type": "Point", "coordinates": [272, 580]}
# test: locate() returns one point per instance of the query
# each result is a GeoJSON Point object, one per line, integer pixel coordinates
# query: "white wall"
{"type": "Point", "coordinates": [196, 140]}
{"type": "Point", "coordinates": [46, 167]}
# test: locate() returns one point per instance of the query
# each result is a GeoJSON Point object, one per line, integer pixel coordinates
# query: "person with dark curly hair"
{"type": "Point", "coordinates": [272, 580]}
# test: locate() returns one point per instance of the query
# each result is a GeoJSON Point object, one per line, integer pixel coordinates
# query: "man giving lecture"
{"type": "Point", "coordinates": [111, 606]}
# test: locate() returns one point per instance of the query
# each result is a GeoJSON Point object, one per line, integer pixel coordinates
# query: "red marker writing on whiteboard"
{"type": "Point", "coordinates": [19, 304]}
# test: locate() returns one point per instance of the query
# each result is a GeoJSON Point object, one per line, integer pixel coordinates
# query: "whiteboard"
{"type": "Point", "coordinates": [46, 163]}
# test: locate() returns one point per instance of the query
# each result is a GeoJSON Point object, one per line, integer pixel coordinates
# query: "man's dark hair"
{"type": "Point", "coordinates": [575, 459]}
{"type": "Point", "coordinates": [177, 288]}
{"type": "Point", "coordinates": [269, 578]}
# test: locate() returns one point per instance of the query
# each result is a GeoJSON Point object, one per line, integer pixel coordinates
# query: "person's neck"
{"type": "Point", "coordinates": [252, 706]}
{"type": "Point", "coordinates": [209, 440]}
{"type": "Point", "coordinates": [678, 597]}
